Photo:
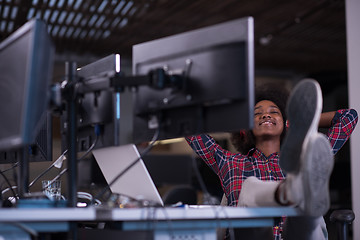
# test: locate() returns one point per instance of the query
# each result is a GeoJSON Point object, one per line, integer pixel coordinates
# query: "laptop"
{"type": "Point", "coordinates": [136, 182]}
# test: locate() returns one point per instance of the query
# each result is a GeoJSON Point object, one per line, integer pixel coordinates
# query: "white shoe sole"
{"type": "Point", "coordinates": [303, 111]}
{"type": "Point", "coordinates": [317, 164]}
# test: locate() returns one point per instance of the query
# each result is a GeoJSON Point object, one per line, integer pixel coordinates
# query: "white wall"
{"type": "Point", "coordinates": [353, 51]}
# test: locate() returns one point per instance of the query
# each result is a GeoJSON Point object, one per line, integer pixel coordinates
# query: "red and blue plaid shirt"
{"type": "Point", "coordinates": [234, 168]}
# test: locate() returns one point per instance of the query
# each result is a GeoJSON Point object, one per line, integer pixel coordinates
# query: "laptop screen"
{"type": "Point", "coordinates": [136, 182]}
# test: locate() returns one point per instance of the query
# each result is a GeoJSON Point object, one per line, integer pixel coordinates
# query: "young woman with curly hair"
{"type": "Point", "coordinates": [283, 160]}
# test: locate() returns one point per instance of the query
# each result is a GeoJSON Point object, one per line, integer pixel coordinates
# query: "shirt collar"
{"type": "Point", "coordinates": [254, 152]}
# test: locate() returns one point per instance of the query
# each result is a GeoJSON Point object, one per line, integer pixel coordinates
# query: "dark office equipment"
{"type": "Point", "coordinates": [342, 218]}
{"type": "Point", "coordinates": [100, 106]}
{"type": "Point", "coordinates": [209, 75]}
{"type": "Point", "coordinates": [40, 150]}
{"type": "Point", "coordinates": [205, 85]}
{"type": "Point", "coordinates": [94, 115]}
{"type": "Point", "coordinates": [166, 169]}
{"type": "Point", "coordinates": [188, 83]}
{"type": "Point", "coordinates": [90, 177]}
{"type": "Point", "coordinates": [184, 194]}
{"type": "Point", "coordinates": [26, 68]}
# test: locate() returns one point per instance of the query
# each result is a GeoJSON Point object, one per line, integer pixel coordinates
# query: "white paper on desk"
{"type": "Point", "coordinates": [136, 182]}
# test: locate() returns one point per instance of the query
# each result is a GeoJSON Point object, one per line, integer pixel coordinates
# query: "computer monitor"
{"type": "Point", "coordinates": [101, 107]}
{"type": "Point", "coordinates": [217, 63]}
{"type": "Point", "coordinates": [41, 150]}
{"type": "Point", "coordinates": [26, 61]}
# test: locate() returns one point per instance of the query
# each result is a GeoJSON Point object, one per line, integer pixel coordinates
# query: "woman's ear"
{"type": "Point", "coordinates": [287, 124]}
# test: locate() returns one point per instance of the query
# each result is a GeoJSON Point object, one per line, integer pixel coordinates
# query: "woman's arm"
{"type": "Point", "coordinates": [342, 125]}
{"type": "Point", "coordinates": [208, 150]}
{"type": "Point", "coordinates": [326, 119]}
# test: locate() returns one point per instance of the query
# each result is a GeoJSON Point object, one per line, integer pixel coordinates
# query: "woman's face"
{"type": "Point", "coordinates": [268, 120]}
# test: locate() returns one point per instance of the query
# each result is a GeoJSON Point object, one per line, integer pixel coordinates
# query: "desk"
{"type": "Point", "coordinates": [165, 222]}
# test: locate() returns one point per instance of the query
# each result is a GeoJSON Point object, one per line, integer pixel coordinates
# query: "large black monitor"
{"type": "Point", "coordinates": [217, 63]}
{"type": "Point", "coordinates": [26, 61]}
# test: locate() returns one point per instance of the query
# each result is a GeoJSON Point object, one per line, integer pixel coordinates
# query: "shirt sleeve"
{"type": "Point", "coordinates": [208, 150]}
{"type": "Point", "coordinates": [342, 125]}
{"type": "Point", "coordinates": [226, 165]}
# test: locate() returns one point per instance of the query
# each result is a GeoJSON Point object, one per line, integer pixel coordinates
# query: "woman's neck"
{"type": "Point", "coordinates": [268, 146]}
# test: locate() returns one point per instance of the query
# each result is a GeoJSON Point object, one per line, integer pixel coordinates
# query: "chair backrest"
{"type": "Point", "coordinates": [342, 218]}
{"type": "Point", "coordinates": [184, 194]}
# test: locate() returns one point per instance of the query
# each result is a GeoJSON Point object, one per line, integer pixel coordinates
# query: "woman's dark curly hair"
{"type": "Point", "coordinates": [245, 140]}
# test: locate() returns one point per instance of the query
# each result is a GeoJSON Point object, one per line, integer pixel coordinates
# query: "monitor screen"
{"type": "Point", "coordinates": [217, 65]}
{"type": "Point", "coordinates": [26, 59]}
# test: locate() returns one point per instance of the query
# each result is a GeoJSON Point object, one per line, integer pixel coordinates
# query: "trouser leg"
{"type": "Point", "coordinates": [257, 193]}
{"type": "Point", "coordinates": [264, 233]}
{"type": "Point", "coordinates": [305, 228]}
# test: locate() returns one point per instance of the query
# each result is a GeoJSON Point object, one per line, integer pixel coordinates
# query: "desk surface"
{"type": "Point", "coordinates": [142, 214]}
{"type": "Point", "coordinates": [191, 218]}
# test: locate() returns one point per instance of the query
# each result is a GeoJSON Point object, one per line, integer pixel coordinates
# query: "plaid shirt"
{"type": "Point", "coordinates": [234, 168]}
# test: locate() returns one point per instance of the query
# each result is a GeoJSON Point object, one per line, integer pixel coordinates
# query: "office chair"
{"type": "Point", "coordinates": [184, 194]}
{"type": "Point", "coordinates": [342, 218]}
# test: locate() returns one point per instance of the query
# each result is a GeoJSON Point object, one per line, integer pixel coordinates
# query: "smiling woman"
{"type": "Point", "coordinates": [256, 176]}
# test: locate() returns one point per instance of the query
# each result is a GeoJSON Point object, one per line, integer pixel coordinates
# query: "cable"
{"type": "Point", "coordinates": [59, 160]}
{"type": "Point", "coordinates": [201, 182]}
{"type": "Point", "coordinates": [146, 150]}
{"type": "Point", "coordinates": [97, 132]}
{"type": "Point", "coordinates": [207, 194]}
{"type": "Point", "coordinates": [168, 222]}
{"type": "Point", "coordinates": [25, 228]}
{"type": "Point", "coordinates": [8, 182]}
{"type": "Point", "coordinates": [12, 167]}
{"type": "Point", "coordinates": [8, 189]}
{"type": "Point", "coordinates": [90, 149]}
{"type": "Point", "coordinates": [54, 179]}
{"type": "Point", "coordinates": [88, 196]}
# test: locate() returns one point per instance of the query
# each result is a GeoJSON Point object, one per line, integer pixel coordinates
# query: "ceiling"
{"type": "Point", "coordinates": [293, 35]}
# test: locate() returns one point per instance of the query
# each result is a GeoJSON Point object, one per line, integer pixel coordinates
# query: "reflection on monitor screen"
{"type": "Point", "coordinates": [26, 67]}
{"type": "Point", "coordinates": [217, 94]}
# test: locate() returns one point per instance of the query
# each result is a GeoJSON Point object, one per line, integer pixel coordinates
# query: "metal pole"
{"type": "Point", "coordinates": [70, 70]}
{"type": "Point", "coordinates": [23, 178]}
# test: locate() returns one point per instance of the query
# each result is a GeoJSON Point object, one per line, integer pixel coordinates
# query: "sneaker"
{"type": "Point", "coordinates": [309, 188]}
{"type": "Point", "coordinates": [303, 111]}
